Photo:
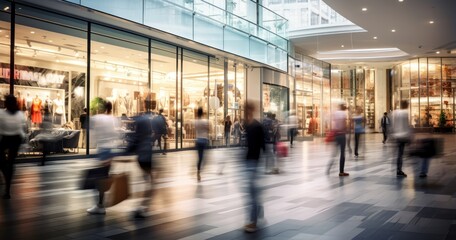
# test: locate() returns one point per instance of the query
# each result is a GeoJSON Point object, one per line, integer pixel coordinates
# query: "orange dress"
{"type": "Point", "coordinates": [36, 111]}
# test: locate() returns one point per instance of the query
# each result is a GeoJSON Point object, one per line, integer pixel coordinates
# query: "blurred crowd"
{"type": "Point", "coordinates": [261, 139]}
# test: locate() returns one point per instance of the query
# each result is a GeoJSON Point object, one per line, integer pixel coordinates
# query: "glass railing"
{"type": "Point", "coordinates": [206, 23]}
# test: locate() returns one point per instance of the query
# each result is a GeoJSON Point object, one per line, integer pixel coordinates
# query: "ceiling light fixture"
{"type": "Point", "coordinates": [50, 41]}
{"type": "Point", "coordinates": [5, 8]}
{"type": "Point", "coordinates": [393, 30]}
{"type": "Point", "coordinates": [32, 32]}
{"type": "Point", "coordinates": [438, 52]}
{"type": "Point", "coordinates": [400, 0]}
{"type": "Point", "coordinates": [342, 46]}
{"type": "Point", "coordinates": [375, 37]}
{"type": "Point", "coordinates": [431, 22]}
{"type": "Point", "coordinates": [364, 9]}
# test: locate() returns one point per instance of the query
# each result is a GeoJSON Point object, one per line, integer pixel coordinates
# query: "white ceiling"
{"type": "Point", "coordinates": [414, 36]}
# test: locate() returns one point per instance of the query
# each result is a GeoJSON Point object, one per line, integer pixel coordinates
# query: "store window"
{"type": "Point", "coordinates": [50, 77]}
{"type": "Point", "coordinates": [5, 40]}
{"type": "Point", "coordinates": [215, 97]}
{"type": "Point", "coordinates": [119, 74]}
{"type": "Point", "coordinates": [195, 78]}
{"type": "Point", "coordinates": [163, 86]}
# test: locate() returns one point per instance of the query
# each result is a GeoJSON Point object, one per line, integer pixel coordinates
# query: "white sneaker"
{"type": "Point", "coordinates": [96, 210]}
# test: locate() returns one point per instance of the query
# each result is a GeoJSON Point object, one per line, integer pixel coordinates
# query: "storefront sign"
{"type": "Point", "coordinates": [41, 76]}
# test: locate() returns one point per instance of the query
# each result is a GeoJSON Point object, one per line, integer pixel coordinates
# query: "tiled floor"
{"type": "Point", "coordinates": [300, 203]}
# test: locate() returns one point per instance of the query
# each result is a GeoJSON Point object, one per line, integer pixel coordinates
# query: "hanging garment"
{"type": "Point", "coordinates": [36, 111]}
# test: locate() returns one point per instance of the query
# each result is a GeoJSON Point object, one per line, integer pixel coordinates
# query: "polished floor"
{"type": "Point", "coordinates": [302, 202]}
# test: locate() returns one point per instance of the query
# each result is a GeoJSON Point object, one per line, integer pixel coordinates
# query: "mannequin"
{"type": "Point", "coordinates": [58, 110]}
{"type": "Point", "coordinates": [36, 110]}
{"type": "Point", "coordinates": [48, 105]}
{"type": "Point", "coordinates": [28, 102]}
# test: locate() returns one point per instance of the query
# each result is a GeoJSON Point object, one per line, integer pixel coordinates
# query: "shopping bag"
{"type": "Point", "coordinates": [96, 178]}
{"type": "Point", "coordinates": [282, 149]}
{"type": "Point", "coordinates": [330, 136]}
{"type": "Point", "coordinates": [119, 191]}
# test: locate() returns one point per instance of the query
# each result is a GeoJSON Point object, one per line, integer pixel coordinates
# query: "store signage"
{"type": "Point", "coordinates": [41, 76]}
{"type": "Point", "coordinates": [44, 78]}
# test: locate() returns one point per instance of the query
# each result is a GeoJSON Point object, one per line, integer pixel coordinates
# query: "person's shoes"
{"type": "Point", "coordinates": [383, 142]}
{"type": "Point", "coordinates": [6, 196]}
{"type": "Point", "coordinates": [140, 213]}
{"type": "Point", "coordinates": [250, 228]}
{"type": "Point", "coordinates": [356, 155]}
{"type": "Point", "coordinates": [198, 176]}
{"type": "Point", "coordinates": [96, 210]}
{"type": "Point", "coordinates": [343, 174]}
{"type": "Point", "coordinates": [423, 175]}
{"type": "Point", "coordinates": [401, 174]}
{"type": "Point", "coordinates": [164, 153]}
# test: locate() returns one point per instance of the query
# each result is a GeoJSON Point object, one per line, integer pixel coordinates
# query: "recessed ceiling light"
{"type": "Point", "coordinates": [102, 47]}
{"type": "Point", "coordinates": [32, 32]}
{"type": "Point", "coordinates": [364, 9]}
{"type": "Point", "coordinates": [50, 41]}
{"type": "Point", "coordinates": [1, 30]}
{"type": "Point", "coordinates": [375, 37]}
{"type": "Point", "coordinates": [400, 0]}
{"type": "Point", "coordinates": [438, 52]}
{"type": "Point", "coordinates": [393, 30]}
{"type": "Point", "coordinates": [431, 22]}
{"type": "Point", "coordinates": [342, 46]}
{"type": "Point", "coordinates": [5, 8]}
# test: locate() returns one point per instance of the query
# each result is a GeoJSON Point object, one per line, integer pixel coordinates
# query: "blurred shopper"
{"type": "Point", "coordinates": [227, 128]}
{"type": "Point", "coordinates": [402, 133]}
{"type": "Point", "coordinates": [12, 125]}
{"type": "Point", "coordinates": [292, 123]}
{"type": "Point", "coordinates": [83, 121]}
{"type": "Point", "coordinates": [385, 123]}
{"type": "Point", "coordinates": [358, 128]}
{"type": "Point", "coordinates": [202, 138]}
{"type": "Point", "coordinates": [236, 132]}
{"type": "Point", "coordinates": [104, 127]}
{"type": "Point", "coordinates": [255, 142]}
{"type": "Point", "coordinates": [340, 129]}
{"type": "Point", "coordinates": [270, 138]}
{"type": "Point", "coordinates": [142, 146]}
{"type": "Point", "coordinates": [160, 128]}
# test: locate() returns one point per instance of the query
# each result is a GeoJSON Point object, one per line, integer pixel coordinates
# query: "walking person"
{"type": "Point", "coordinates": [292, 122]}
{"type": "Point", "coordinates": [12, 125]}
{"type": "Point", "coordinates": [160, 128]}
{"type": "Point", "coordinates": [236, 132]}
{"type": "Point", "coordinates": [358, 128]}
{"type": "Point", "coordinates": [142, 146]}
{"type": "Point", "coordinates": [227, 128]}
{"type": "Point", "coordinates": [202, 138]}
{"type": "Point", "coordinates": [104, 126]}
{"type": "Point", "coordinates": [340, 130]}
{"type": "Point", "coordinates": [83, 121]}
{"type": "Point", "coordinates": [255, 142]}
{"type": "Point", "coordinates": [270, 138]}
{"type": "Point", "coordinates": [402, 133]}
{"type": "Point", "coordinates": [385, 123]}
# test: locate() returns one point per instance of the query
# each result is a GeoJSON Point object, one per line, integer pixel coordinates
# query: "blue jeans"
{"type": "Point", "coordinates": [425, 165]}
{"type": "Point", "coordinates": [256, 209]}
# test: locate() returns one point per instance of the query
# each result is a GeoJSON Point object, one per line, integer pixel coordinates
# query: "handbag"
{"type": "Point", "coordinates": [120, 189]}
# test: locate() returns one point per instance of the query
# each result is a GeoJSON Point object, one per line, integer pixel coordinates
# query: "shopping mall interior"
{"type": "Point", "coordinates": [64, 59]}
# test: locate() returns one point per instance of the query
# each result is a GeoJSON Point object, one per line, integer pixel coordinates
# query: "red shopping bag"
{"type": "Point", "coordinates": [282, 149]}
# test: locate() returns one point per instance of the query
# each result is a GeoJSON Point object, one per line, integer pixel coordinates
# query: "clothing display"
{"type": "Point", "coordinates": [36, 110]}
{"type": "Point", "coordinates": [59, 111]}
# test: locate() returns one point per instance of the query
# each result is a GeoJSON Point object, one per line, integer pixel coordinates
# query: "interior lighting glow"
{"type": "Point", "coordinates": [438, 52]}
{"type": "Point", "coordinates": [431, 22]}
{"type": "Point", "coordinates": [393, 30]}
{"type": "Point", "coordinates": [364, 9]}
{"type": "Point", "coordinates": [342, 46]}
{"type": "Point", "coordinates": [400, 0]}
{"type": "Point", "coordinates": [32, 32]}
{"type": "Point", "coordinates": [375, 37]}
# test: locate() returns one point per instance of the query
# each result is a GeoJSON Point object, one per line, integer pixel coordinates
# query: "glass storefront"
{"type": "Point", "coordinates": [63, 65]}
{"type": "Point", "coordinates": [312, 90]}
{"type": "Point", "coordinates": [356, 87]}
{"type": "Point", "coordinates": [429, 84]}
